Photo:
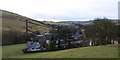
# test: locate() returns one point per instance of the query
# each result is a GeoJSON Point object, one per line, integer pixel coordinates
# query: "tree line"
{"type": "Point", "coordinates": [102, 31]}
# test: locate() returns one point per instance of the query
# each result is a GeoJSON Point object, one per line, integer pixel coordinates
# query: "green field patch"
{"type": "Point", "coordinates": [107, 51]}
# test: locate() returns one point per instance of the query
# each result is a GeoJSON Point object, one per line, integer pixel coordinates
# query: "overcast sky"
{"type": "Point", "coordinates": [62, 10]}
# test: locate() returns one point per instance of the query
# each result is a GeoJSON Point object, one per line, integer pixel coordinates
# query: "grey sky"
{"type": "Point", "coordinates": [60, 10]}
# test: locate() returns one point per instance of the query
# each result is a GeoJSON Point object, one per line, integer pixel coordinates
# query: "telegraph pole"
{"type": "Point", "coordinates": [26, 29]}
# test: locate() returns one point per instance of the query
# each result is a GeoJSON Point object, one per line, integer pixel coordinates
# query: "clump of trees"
{"type": "Point", "coordinates": [119, 32]}
{"type": "Point", "coordinates": [60, 32]}
{"type": "Point", "coordinates": [101, 32]}
{"type": "Point", "coordinates": [51, 46]}
{"type": "Point", "coordinates": [15, 37]}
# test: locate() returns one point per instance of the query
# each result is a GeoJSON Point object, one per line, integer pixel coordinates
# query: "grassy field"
{"type": "Point", "coordinates": [107, 51]}
{"type": "Point", "coordinates": [12, 50]}
{"type": "Point", "coordinates": [58, 23]}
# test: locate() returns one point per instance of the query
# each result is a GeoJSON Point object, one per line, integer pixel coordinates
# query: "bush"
{"type": "Point", "coordinates": [51, 46]}
{"type": "Point", "coordinates": [12, 37]}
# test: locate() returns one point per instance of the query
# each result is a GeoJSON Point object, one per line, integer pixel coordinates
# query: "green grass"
{"type": "Point", "coordinates": [107, 51]}
{"type": "Point", "coordinates": [0, 52]}
{"type": "Point", "coordinates": [58, 23]}
{"type": "Point", "coordinates": [12, 50]}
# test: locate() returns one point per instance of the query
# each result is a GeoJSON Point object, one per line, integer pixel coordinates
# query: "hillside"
{"type": "Point", "coordinates": [105, 51]}
{"type": "Point", "coordinates": [88, 22]}
{"type": "Point", "coordinates": [13, 21]}
{"type": "Point", "coordinates": [78, 22]}
{"type": "Point", "coordinates": [14, 27]}
{"type": "Point", "coordinates": [57, 23]}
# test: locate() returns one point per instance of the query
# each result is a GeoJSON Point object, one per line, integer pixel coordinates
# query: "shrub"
{"type": "Point", "coordinates": [51, 46]}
